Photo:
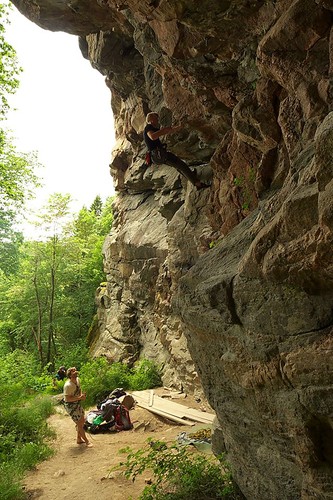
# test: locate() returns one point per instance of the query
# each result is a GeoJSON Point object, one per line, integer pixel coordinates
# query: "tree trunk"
{"type": "Point", "coordinates": [38, 334]}
{"type": "Point", "coordinates": [50, 341]}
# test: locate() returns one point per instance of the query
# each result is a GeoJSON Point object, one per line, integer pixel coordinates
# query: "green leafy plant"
{"type": "Point", "coordinates": [23, 429]}
{"type": "Point", "coordinates": [47, 285]}
{"type": "Point", "coordinates": [10, 486]}
{"type": "Point", "coordinates": [144, 375]}
{"type": "Point", "coordinates": [72, 355]}
{"type": "Point", "coordinates": [180, 473]}
{"type": "Point", "coordinates": [99, 378]}
{"type": "Point", "coordinates": [239, 181]}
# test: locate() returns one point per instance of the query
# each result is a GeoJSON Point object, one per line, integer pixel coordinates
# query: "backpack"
{"type": "Point", "coordinates": [117, 393]}
{"type": "Point", "coordinates": [114, 395]}
{"type": "Point", "coordinates": [122, 418]}
{"type": "Point", "coordinates": [112, 413]}
{"type": "Point", "coordinates": [94, 425]}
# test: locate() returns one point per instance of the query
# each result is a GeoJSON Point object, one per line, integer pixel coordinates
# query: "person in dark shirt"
{"type": "Point", "coordinates": [159, 153]}
{"type": "Point", "coordinates": [61, 373]}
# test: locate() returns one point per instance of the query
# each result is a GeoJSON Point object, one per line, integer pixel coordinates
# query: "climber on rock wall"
{"type": "Point", "coordinates": [158, 150]}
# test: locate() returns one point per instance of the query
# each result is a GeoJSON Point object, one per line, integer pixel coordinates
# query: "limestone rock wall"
{"type": "Point", "coordinates": [229, 288]}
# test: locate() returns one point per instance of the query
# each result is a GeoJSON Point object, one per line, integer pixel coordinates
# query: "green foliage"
{"type": "Point", "coordinates": [30, 454]}
{"type": "Point", "coordinates": [105, 220]}
{"type": "Point", "coordinates": [9, 67]}
{"type": "Point", "coordinates": [99, 378]}
{"type": "Point", "coordinates": [47, 286]}
{"type": "Point", "coordinates": [179, 473]}
{"type": "Point", "coordinates": [17, 174]}
{"type": "Point", "coordinates": [48, 304]}
{"type": "Point", "coordinates": [19, 368]}
{"type": "Point", "coordinates": [96, 206]}
{"type": "Point", "coordinates": [17, 181]}
{"type": "Point", "coordinates": [22, 434]}
{"type": "Point", "coordinates": [17, 170]}
{"type": "Point", "coordinates": [239, 181]}
{"type": "Point", "coordinates": [144, 375]}
{"type": "Point", "coordinates": [9, 251]}
{"type": "Point", "coordinates": [10, 486]}
{"type": "Point", "coordinates": [27, 423]}
{"type": "Point", "coordinates": [72, 355]}
{"type": "Point", "coordinates": [23, 427]}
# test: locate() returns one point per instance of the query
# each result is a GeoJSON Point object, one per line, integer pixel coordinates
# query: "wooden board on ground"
{"type": "Point", "coordinates": [171, 410]}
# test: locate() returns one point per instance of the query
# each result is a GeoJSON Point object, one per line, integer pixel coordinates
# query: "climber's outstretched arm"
{"type": "Point", "coordinates": [163, 131]}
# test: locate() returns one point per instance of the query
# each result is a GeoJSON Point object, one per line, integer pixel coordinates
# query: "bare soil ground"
{"type": "Point", "coordinates": [76, 472]}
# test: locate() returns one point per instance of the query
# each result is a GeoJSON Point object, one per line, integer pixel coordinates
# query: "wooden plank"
{"type": "Point", "coordinates": [151, 398]}
{"type": "Point", "coordinates": [209, 417]}
{"type": "Point", "coordinates": [182, 410]}
{"type": "Point", "coordinates": [166, 415]}
{"type": "Point", "coordinates": [171, 408]}
{"type": "Point", "coordinates": [176, 409]}
{"type": "Point", "coordinates": [185, 413]}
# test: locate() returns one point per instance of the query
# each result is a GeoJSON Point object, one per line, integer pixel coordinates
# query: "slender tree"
{"type": "Point", "coordinates": [53, 220]}
{"type": "Point", "coordinates": [97, 206]}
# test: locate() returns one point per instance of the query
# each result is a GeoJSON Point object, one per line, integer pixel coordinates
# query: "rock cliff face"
{"type": "Point", "coordinates": [229, 287]}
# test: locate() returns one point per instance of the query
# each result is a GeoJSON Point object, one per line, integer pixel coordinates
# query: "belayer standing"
{"type": "Point", "coordinates": [159, 153]}
{"type": "Point", "coordinates": [73, 397]}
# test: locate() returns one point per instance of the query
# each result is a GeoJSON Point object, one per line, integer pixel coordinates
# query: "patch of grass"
{"type": "Point", "coordinates": [23, 433]}
{"type": "Point", "coordinates": [180, 474]}
{"type": "Point", "coordinates": [27, 456]}
{"type": "Point", "coordinates": [10, 482]}
{"type": "Point", "coordinates": [27, 422]}
{"type": "Point", "coordinates": [23, 427]}
{"type": "Point", "coordinates": [23, 458]}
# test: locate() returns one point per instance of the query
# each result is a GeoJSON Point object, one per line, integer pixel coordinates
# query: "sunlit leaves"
{"type": "Point", "coordinates": [9, 66]}
{"type": "Point", "coordinates": [17, 174]}
{"type": "Point", "coordinates": [17, 170]}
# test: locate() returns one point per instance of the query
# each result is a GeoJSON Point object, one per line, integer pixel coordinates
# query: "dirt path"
{"type": "Point", "coordinates": [76, 472]}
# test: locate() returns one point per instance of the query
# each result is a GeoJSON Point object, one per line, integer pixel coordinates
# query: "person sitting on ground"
{"type": "Point", "coordinates": [72, 398]}
{"type": "Point", "coordinates": [61, 373]}
{"type": "Point", "coordinates": [159, 153]}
